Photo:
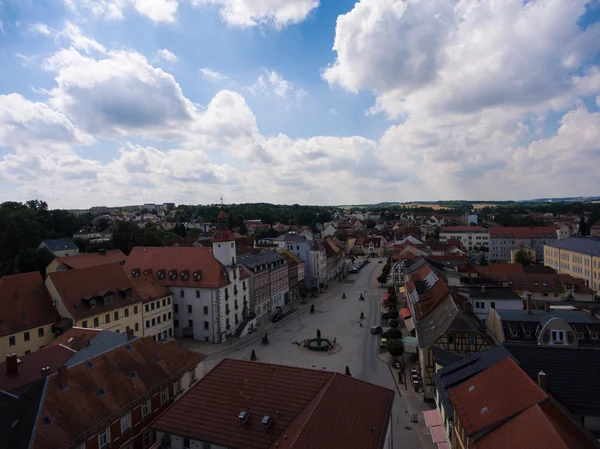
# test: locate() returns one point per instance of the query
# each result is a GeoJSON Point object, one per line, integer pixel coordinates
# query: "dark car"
{"type": "Point", "coordinates": [384, 315]}
{"type": "Point", "coordinates": [375, 329]}
{"type": "Point", "coordinates": [278, 316]}
{"type": "Point", "coordinates": [381, 261]}
{"type": "Point", "coordinates": [384, 334]}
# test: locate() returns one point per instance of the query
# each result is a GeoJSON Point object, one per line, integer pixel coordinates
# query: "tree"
{"type": "Point", "coordinates": [394, 333]}
{"type": "Point", "coordinates": [523, 257]}
{"type": "Point", "coordinates": [583, 226]}
{"type": "Point", "coordinates": [394, 323]}
{"type": "Point", "coordinates": [393, 315]}
{"type": "Point", "coordinates": [30, 259]}
{"type": "Point", "coordinates": [347, 373]}
{"type": "Point", "coordinates": [382, 278]}
{"type": "Point", "coordinates": [395, 348]}
{"type": "Point", "coordinates": [341, 236]}
{"type": "Point", "coordinates": [371, 223]}
{"type": "Point", "coordinates": [483, 261]}
{"type": "Point", "coordinates": [127, 235]}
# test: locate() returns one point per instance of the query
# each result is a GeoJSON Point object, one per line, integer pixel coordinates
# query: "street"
{"type": "Point", "coordinates": [336, 318]}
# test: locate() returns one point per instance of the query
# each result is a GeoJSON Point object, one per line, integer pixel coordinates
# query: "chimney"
{"type": "Point", "coordinates": [45, 372]}
{"type": "Point", "coordinates": [12, 364]}
{"type": "Point", "coordinates": [542, 381]}
{"type": "Point", "coordinates": [129, 334]}
{"type": "Point", "coordinates": [63, 376]}
{"type": "Point", "coordinates": [529, 302]}
{"type": "Point", "coordinates": [547, 307]}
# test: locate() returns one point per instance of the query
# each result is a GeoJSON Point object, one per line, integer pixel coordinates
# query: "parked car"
{"type": "Point", "coordinates": [353, 270]}
{"type": "Point", "coordinates": [375, 330]}
{"type": "Point", "coordinates": [381, 261]}
{"type": "Point", "coordinates": [383, 343]}
{"type": "Point", "coordinates": [278, 316]}
{"type": "Point", "coordinates": [384, 315]}
{"type": "Point", "coordinates": [384, 334]}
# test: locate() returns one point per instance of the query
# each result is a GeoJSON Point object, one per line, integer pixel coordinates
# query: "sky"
{"type": "Point", "coordinates": [119, 102]}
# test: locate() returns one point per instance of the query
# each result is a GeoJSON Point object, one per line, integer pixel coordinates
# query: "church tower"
{"type": "Point", "coordinates": [224, 242]}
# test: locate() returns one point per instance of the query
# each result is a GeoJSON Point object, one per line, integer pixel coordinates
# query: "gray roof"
{"type": "Point", "coordinates": [104, 341]}
{"type": "Point", "coordinates": [444, 357]}
{"type": "Point", "coordinates": [572, 374]}
{"type": "Point", "coordinates": [251, 260]}
{"type": "Point", "coordinates": [536, 316]}
{"type": "Point", "coordinates": [60, 244]}
{"type": "Point", "coordinates": [458, 372]}
{"type": "Point", "coordinates": [290, 238]}
{"type": "Point", "coordinates": [495, 293]}
{"type": "Point", "coordinates": [584, 245]}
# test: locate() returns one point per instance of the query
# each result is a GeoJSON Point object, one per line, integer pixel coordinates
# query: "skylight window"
{"type": "Point", "coordinates": [89, 364]}
{"type": "Point", "coordinates": [132, 374]}
{"type": "Point", "coordinates": [158, 359]}
{"type": "Point", "coordinates": [485, 410]}
{"type": "Point", "coordinates": [129, 347]}
{"type": "Point", "coordinates": [101, 392]}
{"type": "Point", "coordinates": [47, 421]}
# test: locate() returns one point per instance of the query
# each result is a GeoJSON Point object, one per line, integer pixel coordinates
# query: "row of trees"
{"type": "Point", "coordinates": [385, 272]}
{"type": "Point", "coordinates": [394, 345]}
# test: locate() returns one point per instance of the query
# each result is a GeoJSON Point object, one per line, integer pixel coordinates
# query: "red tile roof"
{"type": "Point", "coordinates": [311, 409]}
{"type": "Point", "coordinates": [30, 368]}
{"type": "Point", "coordinates": [523, 232]}
{"type": "Point", "coordinates": [149, 289]}
{"type": "Point", "coordinates": [93, 259]}
{"type": "Point", "coordinates": [179, 259]}
{"type": "Point", "coordinates": [535, 428]}
{"type": "Point", "coordinates": [500, 392]}
{"type": "Point", "coordinates": [463, 229]}
{"type": "Point", "coordinates": [91, 412]}
{"type": "Point", "coordinates": [25, 303]}
{"type": "Point", "coordinates": [77, 287]}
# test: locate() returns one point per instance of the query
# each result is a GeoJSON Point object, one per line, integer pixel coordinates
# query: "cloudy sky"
{"type": "Point", "coordinates": [109, 102]}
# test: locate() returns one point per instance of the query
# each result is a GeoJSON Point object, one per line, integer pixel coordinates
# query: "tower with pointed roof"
{"type": "Point", "coordinates": [224, 242]}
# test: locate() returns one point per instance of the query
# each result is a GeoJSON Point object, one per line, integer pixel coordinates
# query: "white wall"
{"type": "Point", "coordinates": [502, 304]}
{"type": "Point", "coordinates": [159, 311]}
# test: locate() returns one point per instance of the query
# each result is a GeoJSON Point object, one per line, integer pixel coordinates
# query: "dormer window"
{"type": "Point", "coordinates": [109, 298]}
{"type": "Point", "coordinates": [594, 336]}
{"type": "Point", "coordinates": [580, 335]}
{"type": "Point", "coordinates": [135, 273]}
{"type": "Point", "coordinates": [558, 337]}
{"type": "Point", "coordinates": [128, 293]}
{"type": "Point", "coordinates": [197, 275]}
{"type": "Point", "coordinates": [160, 274]}
{"type": "Point", "coordinates": [92, 303]}
{"type": "Point", "coordinates": [172, 275]}
{"type": "Point", "coordinates": [185, 274]}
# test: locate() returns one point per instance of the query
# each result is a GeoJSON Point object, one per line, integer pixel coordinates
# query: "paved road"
{"type": "Point", "coordinates": [336, 318]}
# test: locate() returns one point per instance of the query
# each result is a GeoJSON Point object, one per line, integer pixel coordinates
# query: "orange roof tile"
{"type": "Point", "coordinates": [494, 395]}
{"type": "Point", "coordinates": [179, 259]}
{"type": "Point", "coordinates": [74, 425]}
{"type": "Point", "coordinates": [311, 409]}
{"type": "Point", "coordinates": [25, 303]}
{"type": "Point", "coordinates": [75, 338]}
{"type": "Point", "coordinates": [523, 232]}
{"type": "Point", "coordinates": [93, 259]}
{"type": "Point", "coordinates": [149, 289]}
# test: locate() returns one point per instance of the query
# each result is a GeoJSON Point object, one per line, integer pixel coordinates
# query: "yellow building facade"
{"type": "Point", "coordinates": [26, 341]}
{"type": "Point", "coordinates": [579, 257]}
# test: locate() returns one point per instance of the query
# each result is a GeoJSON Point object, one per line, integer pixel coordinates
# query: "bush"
{"type": "Point", "coordinates": [393, 314]}
{"type": "Point", "coordinates": [394, 334]}
{"type": "Point", "coordinates": [391, 290]}
{"type": "Point", "coordinates": [394, 324]}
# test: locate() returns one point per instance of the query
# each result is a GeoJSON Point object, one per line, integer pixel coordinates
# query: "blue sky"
{"type": "Point", "coordinates": [330, 102]}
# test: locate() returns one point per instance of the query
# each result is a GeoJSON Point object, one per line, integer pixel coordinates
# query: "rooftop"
{"type": "Point", "coordinates": [463, 229]}
{"type": "Point", "coordinates": [60, 244]}
{"type": "Point", "coordinates": [310, 409]}
{"type": "Point", "coordinates": [583, 245]}
{"type": "Point", "coordinates": [25, 303]}
{"type": "Point", "coordinates": [253, 261]}
{"type": "Point", "coordinates": [570, 316]}
{"type": "Point", "coordinates": [92, 259]}
{"type": "Point", "coordinates": [153, 363]}
{"type": "Point", "coordinates": [517, 232]}
{"type": "Point", "coordinates": [495, 293]}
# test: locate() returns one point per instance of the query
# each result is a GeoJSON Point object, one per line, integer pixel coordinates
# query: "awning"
{"type": "Point", "coordinates": [405, 313]}
{"type": "Point", "coordinates": [432, 418]}
{"type": "Point", "coordinates": [410, 344]}
{"type": "Point", "coordinates": [438, 434]}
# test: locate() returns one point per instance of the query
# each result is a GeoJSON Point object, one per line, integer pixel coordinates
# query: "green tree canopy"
{"type": "Point", "coordinates": [523, 257]}
{"type": "Point", "coordinates": [395, 348]}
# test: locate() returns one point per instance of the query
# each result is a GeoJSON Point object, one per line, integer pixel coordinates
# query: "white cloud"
{"type": "Point", "coordinates": [2, 28]}
{"type": "Point", "coordinates": [274, 83]}
{"type": "Point", "coordinates": [78, 40]}
{"type": "Point", "coordinates": [332, 111]}
{"type": "Point", "coordinates": [248, 13]}
{"type": "Point", "coordinates": [281, 86]}
{"type": "Point", "coordinates": [166, 55]}
{"type": "Point", "coordinates": [155, 10]}
{"type": "Point", "coordinates": [212, 74]}
{"type": "Point", "coordinates": [40, 28]}
{"type": "Point", "coordinates": [259, 86]}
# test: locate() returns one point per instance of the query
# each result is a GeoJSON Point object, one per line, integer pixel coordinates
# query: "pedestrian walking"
{"type": "Point", "coordinates": [360, 322]}
{"type": "Point", "coordinates": [334, 340]}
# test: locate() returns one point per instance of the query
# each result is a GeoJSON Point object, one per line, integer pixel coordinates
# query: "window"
{"type": "Point", "coordinates": [176, 308]}
{"type": "Point", "coordinates": [169, 301]}
{"type": "Point", "coordinates": [493, 304]}
{"type": "Point", "coordinates": [103, 438]}
{"type": "Point", "coordinates": [164, 302]}
{"type": "Point", "coordinates": [12, 340]}
{"type": "Point", "coordinates": [190, 323]}
{"type": "Point", "coordinates": [197, 293]}
{"type": "Point", "coordinates": [96, 322]}
{"type": "Point", "coordinates": [206, 325]}
{"type": "Point", "coordinates": [169, 315]}
{"type": "Point", "coordinates": [147, 438]}
{"type": "Point", "coordinates": [146, 407]}
{"type": "Point", "coordinates": [135, 310]}
{"type": "Point", "coordinates": [170, 332]}
{"type": "Point", "coordinates": [84, 323]}
{"type": "Point", "coordinates": [471, 339]}
{"type": "Point", "coordinates": [206, 446]}
{"type": "Point", "coordinates": [158, 320]}
{"type": "Point", "coordinates": [28, 352]}
{"type": "Point", "coordinates": [186, 443]}
{"type": "Point", "coordinates": [41, 332]}
{"type": "Point", "coordinates": [147, 308]}
{"type": "Point", "coordinates": [164, 396]}
{"type": "Point", "coordinates": [126, 313]}
{"type": "Point", "coordinates": [125, 423]}
{"type": "Point", "coordinates": [107, 318]}
{"type": "Point", "coordinates": [181, 293]}
{"type": "Point", "coordinates": [205, 310]}
{"type": "Point", "coordinates": [153, 321]}
{"type": "Point", "coordinates": [176, 323]}
{"type": "Point", "coordinates": [192, 375]}
{"type": "Point", "coordinates": [177, 386]}
{"type": "Point", "coordinates": [116, 314]}
{"type": "Point", "coordinates": [152, 306]}
{"type": "Point", "coordinates": [137, 327]}
{"type": "Point", "coordinates": [189, 309]}
{"type": "Point", "coordinates": [558, 337]}
{"type": "Point", "coordinates": [450, 338]}
{"type": "Point", "coordinates": [147, 324]}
